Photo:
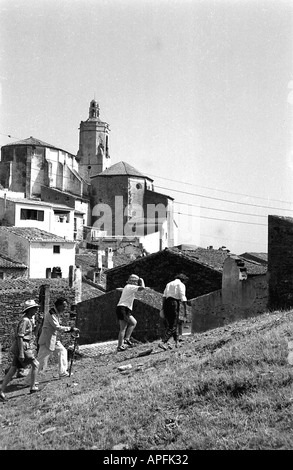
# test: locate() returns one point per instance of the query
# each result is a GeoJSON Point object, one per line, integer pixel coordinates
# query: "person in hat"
{"type": "Point", "coordinates": [48, 341]}
{"type": "Point", "coordinates": [127, 322]}
{"type": "Point", "coordinates": [23, 348]}
{"type": "Point", "coordinates": [174, 293]}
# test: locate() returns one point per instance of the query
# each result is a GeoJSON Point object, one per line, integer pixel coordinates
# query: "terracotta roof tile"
{"type": "Point", "coordinates": [121, 168]}
{"type": "Point", "coordinates": [6, 262]}
{"type": "Point", "coordinates": [34, 234]}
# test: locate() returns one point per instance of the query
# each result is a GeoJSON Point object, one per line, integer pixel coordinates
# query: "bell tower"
{"type": "Point", "coordinates": [93, 154]}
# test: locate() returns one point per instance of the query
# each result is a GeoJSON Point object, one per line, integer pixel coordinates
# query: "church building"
{"type": "Point", "coordinates": [112, 200]}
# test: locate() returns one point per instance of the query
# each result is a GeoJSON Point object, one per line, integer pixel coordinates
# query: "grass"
{"type": "Point", "coordinates": [229, 388]}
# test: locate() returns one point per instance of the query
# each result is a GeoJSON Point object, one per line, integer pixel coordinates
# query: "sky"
{"type": "Point", "coordinates": [198, 96]}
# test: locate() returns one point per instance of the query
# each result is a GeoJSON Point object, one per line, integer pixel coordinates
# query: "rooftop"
{"type": "Point", "coordinates": [34, 234]}
{"type": "Point", "coordinates": [31, 141]}
{"type": "Point", "coordinates": [121, 168]}
{"type": "Point", "coordinates": [213, 259]}
{"type": "Point", "coordinates": [6, 262]}
{"type": "Point", "coordinates": [36, 202]}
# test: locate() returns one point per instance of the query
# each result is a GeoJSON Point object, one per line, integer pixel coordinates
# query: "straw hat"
{"type": "Point", "coordinates": [29, 304]}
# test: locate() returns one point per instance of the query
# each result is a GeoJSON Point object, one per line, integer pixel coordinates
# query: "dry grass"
{"type": "Point", "coordinates": [229, 388]}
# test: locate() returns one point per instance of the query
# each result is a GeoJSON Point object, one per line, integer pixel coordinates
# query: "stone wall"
{"type": "Point", "coordinates": [213, 310]}
{"type": "Point", "coordinates": [97, 321]}
{"type": "Point", "coordinates": [280, 262]}
{"type": "Point", "coordinates": [15, 292]}
{"type": "Point", "coordinates": [14, 273]}
{"type": "Point", "coordinates": [160, 268]}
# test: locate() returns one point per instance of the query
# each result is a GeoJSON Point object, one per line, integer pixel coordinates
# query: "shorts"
{"type": "Point", "coordinates": [29, 357]}
{"type": "Point", "coordinates": [123, 313]}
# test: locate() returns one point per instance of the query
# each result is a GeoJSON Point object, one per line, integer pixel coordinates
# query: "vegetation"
{"type": "Point", "coordinates": [228, 388]}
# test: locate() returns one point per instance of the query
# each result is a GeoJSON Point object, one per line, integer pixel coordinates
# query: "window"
{"type": "Point", "coordinates": [56, 249]}
{"type": "Point", "coordinates": [31, 214]}
{"type": "Point", "coordinates": [2, 275]}
{"type": "Point", "coordinates": [61, 216]}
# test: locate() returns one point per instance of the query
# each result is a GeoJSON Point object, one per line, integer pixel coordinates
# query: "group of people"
{"type": "Point", "coordinates": [28, 354]}
{"type": "Point", "coordinates": [174, 294]}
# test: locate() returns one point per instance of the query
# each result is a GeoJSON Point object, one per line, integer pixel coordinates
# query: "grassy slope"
{"type": "Point", "coordinates": [229, 388]}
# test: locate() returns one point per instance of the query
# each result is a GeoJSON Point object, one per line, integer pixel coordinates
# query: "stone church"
{"type": "Point", "coordinates": [84, 189]}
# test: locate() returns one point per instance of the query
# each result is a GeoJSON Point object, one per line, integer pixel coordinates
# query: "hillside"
{"type": "Point", "coordinates": [228, 388]}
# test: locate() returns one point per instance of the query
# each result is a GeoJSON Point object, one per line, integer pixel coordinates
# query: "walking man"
{"type": "Point", "coordinates": [174, 293]}
{"type": "Point", "coordinates": [48, 342]}
{"type": "Point", "coordinates": [23, 348]}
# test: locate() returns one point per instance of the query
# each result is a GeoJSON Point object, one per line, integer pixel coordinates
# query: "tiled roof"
{"type": "Point", "coordinates": [35, 202]}
{"type": "Point", "coordinates": [213, 259]}
{"type": "Point", "coordinates": [31, 141]}
{"type": "Point", "coordinates": [6, 262]}
{"type": "Point", "coordinates": [87, 261]}
{"type": "Point", "coordinates": [34, 234]}
{"type": "Point", "coordinates": [121, 168]}
{"type": "Point", "coordinates": [159, 194]}
{"type": "Point", "coordinates": [67, 193]}
{"type": "Point", "coordinates": [260, 257]}
{"type": "Point", "coordinates": [89, 292]}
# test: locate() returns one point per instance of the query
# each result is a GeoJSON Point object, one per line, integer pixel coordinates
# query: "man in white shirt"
{"type": "Point", "coordinates": [174, 293]}
{"type": "Point", "coordinates": [48, 342]}
{"type": "Point", "coordinates": [126, 320]}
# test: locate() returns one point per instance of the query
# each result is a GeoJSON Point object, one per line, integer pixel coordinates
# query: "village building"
{"type": "Point", "coordinates": [12, 269]}
{"type": "Point", "coordinates": [83, 185]}
{"type": "Point", "coordinates": [130, 207]}
{"type": "Point", "coordinates": [221, 288]}
{"type": "Point", "coordinates": [57, 219]}
{"type": "Point", "coordinates": [44, 253]}
{"type": "Point", "coordinates": [35, 170]}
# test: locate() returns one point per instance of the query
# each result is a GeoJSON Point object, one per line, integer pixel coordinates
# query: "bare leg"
{"type": "Point", "coordinates": [130, 327]}
{"type": "Point", "coordinates": [8, 377]}
{"type": "Point", "coordinates": [123, 327]}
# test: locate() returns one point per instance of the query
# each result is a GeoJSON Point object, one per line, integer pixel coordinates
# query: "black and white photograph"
{"type": "Point", "coordinates": [146, 227]}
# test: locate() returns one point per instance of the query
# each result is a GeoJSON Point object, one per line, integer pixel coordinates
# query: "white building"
{"type": "Point", "coordinates": [39, 250]}
{"type": "Point", "coordinates": [57, 219]}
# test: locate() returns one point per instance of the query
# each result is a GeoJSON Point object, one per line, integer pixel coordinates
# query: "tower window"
{"type": "Point", "coordinates": [138, 186]}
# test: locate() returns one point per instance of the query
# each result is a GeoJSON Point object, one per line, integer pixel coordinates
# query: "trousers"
{"type": "Point", "coordinates": [60, 351]}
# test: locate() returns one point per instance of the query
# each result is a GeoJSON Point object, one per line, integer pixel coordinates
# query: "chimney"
{"type": "Point", "coordinates": [109, 258]}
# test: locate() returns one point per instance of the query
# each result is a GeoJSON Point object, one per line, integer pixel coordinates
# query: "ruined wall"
{"type": "Point", "coordinates": [97, 321]}
{"type": "Point", "coordinates": [214, 310]}
{"type": "Point", "coordinates": [280, 262]}
{"type": "Point", "coordinates": [15, 292]}
{"type": "Point", "coordinates": [13, 273]}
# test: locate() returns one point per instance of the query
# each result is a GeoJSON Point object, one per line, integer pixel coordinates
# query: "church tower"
{"type": "Point", "coordinates": [93, 154]}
